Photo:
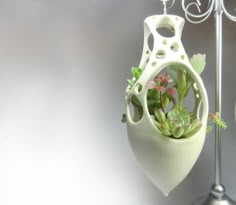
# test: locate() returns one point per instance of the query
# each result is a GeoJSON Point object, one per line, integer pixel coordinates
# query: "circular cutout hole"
{"type": "Point", "coordinates": [197, 95]}
{"type": "Point", "coordinates": [147, 52]}
{"type": "Point", "coordinates": [150, 42]}
{"type": "Point", "coordinates": [160, 54]}
{"type": "Point", "coordinates": [164, 41]}
{"type": "Point", "coordinates": [174, 47]}
{"type": "Point", "coordinates": [138, 88]}
{"type": "Point", "coordinates": [154, 64]}
{"type": "Point", "coordinates": [182, 57]}
{"type": "Point", "coordinates": [195, 87]}
{"type": "Point", "coordinates": [135, 108]}
{"type": "Point", "coordinates": [166, 32]}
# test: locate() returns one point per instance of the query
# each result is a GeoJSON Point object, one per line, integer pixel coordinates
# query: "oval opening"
{"type": "Point", "coordinates": [135, 109]}
{"type": "Point", "coordinates": [174, 104]}
{"type": "Point", "coordinates": [150, 42]}
{"type": "Point", "coordinates": [167, 32]}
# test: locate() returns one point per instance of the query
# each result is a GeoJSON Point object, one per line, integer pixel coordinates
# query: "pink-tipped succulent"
{"type": "Point", "coordinates": [153, 85]}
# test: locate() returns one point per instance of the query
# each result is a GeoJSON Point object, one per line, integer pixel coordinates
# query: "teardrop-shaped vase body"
{"type": "Point", "coordinates": [165, 161]}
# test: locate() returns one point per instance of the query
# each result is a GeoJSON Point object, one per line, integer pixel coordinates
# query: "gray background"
{"type": "Point", "coordinates": [64, 66]}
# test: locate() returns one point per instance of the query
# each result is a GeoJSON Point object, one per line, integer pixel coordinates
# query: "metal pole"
{"type": "Point", "coordinates": [218, 101]}
{"type": "Point", "coordinates": [217, 195]}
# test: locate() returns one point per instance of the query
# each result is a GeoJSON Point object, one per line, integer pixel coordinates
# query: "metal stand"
{"type": "Point", "coordinates": [210, 200]}
{"type": "Point", "coordinates": [217, 195]}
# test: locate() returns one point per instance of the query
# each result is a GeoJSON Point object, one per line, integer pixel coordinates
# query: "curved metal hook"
{"type": "Point", "coordinates": [173, 1]}
{"type": "Point", "coordinates": [165, 7]}
{"type": "Point", "coordinates": [196, 17]}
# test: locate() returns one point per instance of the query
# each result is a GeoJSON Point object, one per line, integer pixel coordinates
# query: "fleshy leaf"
{"type": "Point", "coordinates": [172, 114]}
{"type": "Point", "coordinates": [160, 115]}
{"type": "Point", "coordinates": [136, 72]}
{"type": "Point", "coordinates": [198, 61]}
{"type": "Point", "coordinates": [165, 131]}
{"type": "Point", "coordinates": [160, 88]}
{"type": "Point", "coordinates": [152, 102]}
{"type": "Point", "coordinates": [151, 84]}
{"type": "Point", "coordinates": [178, 132]}
{"type": "Point", "coordinates": [171, 91]}
{"type": "Point", "coordinates": [131, 82]}
{"type": "Point", "coordinates": [193, 131]}
{"type": "Point", "coordinates": [165, 100]}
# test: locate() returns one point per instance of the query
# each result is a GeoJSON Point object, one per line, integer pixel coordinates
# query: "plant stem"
{"type": "Point", "coordinates": [180, 104]}
{"type": "Point", "coordinates": [162, 107]}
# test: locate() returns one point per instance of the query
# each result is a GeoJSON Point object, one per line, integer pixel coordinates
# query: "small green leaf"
{"type": "Point", "coordinates": [152, 102]}
{"type": "Point", "coordinates": [191, 127]}
{"type": "Point", "coordinates": [172, 114]}
{"type": "Point", "coordinates": [171, 124]}
{"type": "Point", "coordinates": [136, 72]}
{"type": "Point", "coordinates": [160, 115]}
{"type": "Point", "coordinates": [184, 112]}
{"type": "Point", "coordinates": [193, 131]}
{"type": "Point", "coordinates": [178, 132]}
{"type": "Point", "coordinates": [185, 117]}
{"type": "Point", "coordinates": [164, 131]}
{"type": "Point", "coordinates": [165, 100]}
{"type": "Point", "coordinates": [195, 123]}
{"type": "Point", "coordinates": [131, 82]}
{"type": "Point", "coordinates": [187, 129]}
{"type": "Point", "coordinates": [198, 61]}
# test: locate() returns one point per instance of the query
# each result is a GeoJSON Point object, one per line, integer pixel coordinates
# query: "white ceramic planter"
{"type": "Point", "coordinates": [165, 161]}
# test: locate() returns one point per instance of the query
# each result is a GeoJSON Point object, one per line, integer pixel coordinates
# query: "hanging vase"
{"type": "Point", "coordinates": [165, 161]}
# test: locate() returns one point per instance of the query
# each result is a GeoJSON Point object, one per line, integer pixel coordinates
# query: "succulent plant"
{"type": "Point", "coordinates": [177, 121]}
{"type": "Point", "coordinates": [176, 124]}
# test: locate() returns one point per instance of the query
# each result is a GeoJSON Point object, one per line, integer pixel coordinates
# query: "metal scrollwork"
{"type": "Point", "coordinates": [227, 14]}
{"type": "Point", "coordinates": [202, 16]}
